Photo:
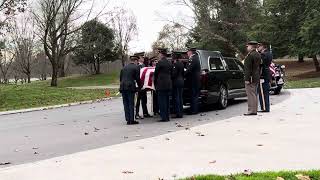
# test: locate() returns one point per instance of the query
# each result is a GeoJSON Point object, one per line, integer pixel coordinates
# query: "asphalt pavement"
{"type": "Point", "coordinates": [33, 136]}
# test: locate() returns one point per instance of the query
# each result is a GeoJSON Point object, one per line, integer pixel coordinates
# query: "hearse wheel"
{"type": "Point", "coordinates": [223, 97]}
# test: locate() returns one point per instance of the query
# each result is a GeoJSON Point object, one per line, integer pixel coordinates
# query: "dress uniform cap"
{"type": "Point", "coordinates": [252, 43]}
{"type": "Point", "coordinates": [192, 49]}
{"type": "Point", "coordinates": [134, 57]}
{"type": "Point", "coordinates": [163, 50]}
{"type": "Point", "coordinates": [140, 54]}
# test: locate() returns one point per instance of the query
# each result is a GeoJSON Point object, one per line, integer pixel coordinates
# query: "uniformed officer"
{"type": "Point", "coordinates": [155, 104]}
{"type": "Point", "coordinates": [193, 76]}
{"type": "Point", "coordinates": [142, 95]}
{"type": "Point", "coordinates": [178, 84]}
{"type": "Point", "coordinates": [129, 76]}
{"type": "Point", "coordinates": [163, 83]}
{"type": "Point", "coordinates": [252, 76]}
{"type": "Point", "coordinates": [264, 85]}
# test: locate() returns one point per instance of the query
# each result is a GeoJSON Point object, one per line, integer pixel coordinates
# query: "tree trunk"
{"type": "Point", "coordinates": [300, 58]}
{"type": "Point", "coordinates": [29, 78]}
{"type": "Point", "coordinates": [54, 80]}
{"type": "Point", "coordinates": [98, 67]}
{"type": "Point", "coordinates": [316, 63]}
{"type": "Point", "coordinates": [62, 72]}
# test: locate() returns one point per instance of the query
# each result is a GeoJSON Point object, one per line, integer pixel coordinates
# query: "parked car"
{"type": "Point", "coordinates": [222, 79]}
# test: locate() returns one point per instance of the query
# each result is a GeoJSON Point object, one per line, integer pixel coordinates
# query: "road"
{"type": "Point", "coordinates": [35, 136]}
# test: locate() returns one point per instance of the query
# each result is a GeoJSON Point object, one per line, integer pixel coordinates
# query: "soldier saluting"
{"type": "Point", "coordinates": [163, 84]}
{"type": "Point", "coordinates": [129, 77]}
{"type": "Point", "coordinates": [193, 76]}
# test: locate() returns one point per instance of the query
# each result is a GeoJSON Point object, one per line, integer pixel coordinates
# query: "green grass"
{"type": "Point", "coordinates": [81, 81]}
{"type": "Point", "coordinates": [38, 94]}
{"type": "Point", "coordinates": [305, 83]}
{"type": "Point", "coordinates": [287, 175]}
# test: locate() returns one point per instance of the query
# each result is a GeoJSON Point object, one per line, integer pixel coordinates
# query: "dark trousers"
{"type": "Point", "coordinates": [178, 101]}
{"type": "Point", "coordinates": [142, 97]}
{"type": "Point", "coordinates": [264, 96]}
{"type": "Point", "coordinates": [128, 104]}
{"type": "Point", "coordinates": [164, 104]}
{"type": "Point", "coordinates": [194, 106]}
{"type": "Point", "coordinates": [155, 103]}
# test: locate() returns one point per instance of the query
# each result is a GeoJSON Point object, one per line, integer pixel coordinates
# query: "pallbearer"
{"type": "Point", "coordinates": [178, 83]}
{"type": "Point", "coordinates": [264, 86]}
{"type": "Point", "coordinates": [163, 84]}
{"type": "Point", "coordinates": [155, 104]}
{"type": "Point", "coordinates": [142, 95]}
{"type": "Point", "coordinates": [193, 76]}
{"type": "Point", "coordinates": [129, 77]}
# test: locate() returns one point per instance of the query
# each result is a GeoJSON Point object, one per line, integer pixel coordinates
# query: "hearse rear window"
{"type": "Point", "coordinates": [215, 63]}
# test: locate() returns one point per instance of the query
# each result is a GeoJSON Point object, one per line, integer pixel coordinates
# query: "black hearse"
{"type": "Point", "coordinates": [222, 78]}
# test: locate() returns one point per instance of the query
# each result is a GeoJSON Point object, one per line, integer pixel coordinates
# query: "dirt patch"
{"type": "Point", "coordinates": [297, 71]}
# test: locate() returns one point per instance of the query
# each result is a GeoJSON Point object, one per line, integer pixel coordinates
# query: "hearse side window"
{"type": "Point", "coordinates": [215, 63]}
{"type": "Point", "coordinates": [232, 64]}
{"type": "Point", "coordinates": [240, 65]}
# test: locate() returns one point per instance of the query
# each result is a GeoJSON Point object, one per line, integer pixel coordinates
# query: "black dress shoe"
{"type": "Point", "coordinates": [263, 111]}
{"type": "Point", "coordinates": [147, 116]}
{"type": "Point", "coordinates": [163, 120]}
{"type": "Point", "coordinates": [250, 114]}
{"type": "Point", "coordinates": [139, 117]}
{"type": "Point", "coordinates": [177, 117]}
{"type": "Point", "coordinates": [132, 122]}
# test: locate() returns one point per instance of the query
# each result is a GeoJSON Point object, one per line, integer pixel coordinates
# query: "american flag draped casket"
{"type": "Point", "coordinates": [146, 77]}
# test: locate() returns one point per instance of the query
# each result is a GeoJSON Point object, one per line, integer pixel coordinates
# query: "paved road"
{"type": "Point", "coordinates": [35, 136]}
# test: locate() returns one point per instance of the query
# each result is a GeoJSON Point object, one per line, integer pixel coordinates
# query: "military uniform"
{"type": "Point", "coordinates": [252, 78]}
{"type": "Point", "coordinates": [142, 95]}
{"type": "Point", "coordinates": [129, 76]}
{"type": "Point", "coordinates": [178, 84]}
{"type": "Point", "coordinates": [264, 85]}
{"type": "Point", "coordinates": [163, 84]}
{"type": "Point", "coordinates": [193, 76]}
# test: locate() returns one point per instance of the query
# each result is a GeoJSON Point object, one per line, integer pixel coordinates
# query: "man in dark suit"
{"type": "Point", "coordinates": [142, 95]}
{"type": "Point", "coordinates": [193, 76]}
{"type": "Point", "coordinates": [129, 76]}
{"type": "Point", "coordinates": [264, 85]}
{"type": "Point", "coordinates": [163, 83]}
{"type": "Point", "coordinates": [252, 76]}
{"type": "Point", "coordinates": [178, 83]}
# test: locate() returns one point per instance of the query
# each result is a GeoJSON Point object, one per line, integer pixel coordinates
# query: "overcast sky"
{"type": "Point", "coordinates": [149, 22]}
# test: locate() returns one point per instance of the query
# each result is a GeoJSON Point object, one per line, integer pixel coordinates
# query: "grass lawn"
{"type": "Point", "coordinates": [304, 83]}
{"type": "Point", "coordinates": [38, 94]}
{"type": "Point", "coordinates": [92, 80]}
{"type": "Point", "coordinates": [286, 175]}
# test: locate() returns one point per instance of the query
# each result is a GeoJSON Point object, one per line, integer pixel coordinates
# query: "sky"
{"type": "Point", "coordinates": [151, 16]}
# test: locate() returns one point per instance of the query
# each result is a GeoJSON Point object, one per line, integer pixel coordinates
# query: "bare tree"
{"type": "Point", "coordinates": [41, 66]}
{"type": "Point", "coordinates": [172, 36]}
{"type": "Point", "coordinates": [23, 38]}
{"type": "Point", "coordinates": [54, 20]}
{"type": "Point", "coordinates": [6, 59]}
{"type": "Point", "coordinates": [124, 23]}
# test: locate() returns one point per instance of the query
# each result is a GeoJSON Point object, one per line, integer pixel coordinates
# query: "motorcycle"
{"type": "Point", "coordinates": [278, 78]}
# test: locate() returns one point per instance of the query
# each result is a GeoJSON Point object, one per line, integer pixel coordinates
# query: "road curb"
{"type": "Point", "coordinates": [55, 106]}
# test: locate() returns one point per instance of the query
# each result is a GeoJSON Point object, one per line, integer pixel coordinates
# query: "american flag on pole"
{"type": "Point", "coordinates": [146, 77]}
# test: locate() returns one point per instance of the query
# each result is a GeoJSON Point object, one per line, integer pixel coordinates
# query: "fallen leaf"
{"type": "Point", "coordinates": [35, 152]}
{"type": "Point", "coordinates": [199, 119]}
{"type": "Point", "coordinates": [187, 128]}
{"type": "Point", "coordinates": [125, 137]}
{"type": "Point", "coordinates": [61, 124]}
{"type": "Point", "coordinates": [137, 135]}
{"type": "Point", "coordinates": [247, 172]}
{"type": "Point", "coordinates": [302, 177]}
{"type": "Point", "coordinates": [35, 148]}
{"type": "Point", "coordinates": [169, 131]}
{"type": "Point", "coordinates": [86, 133]}
{"type": "Point", "coordinates": [127, 172]}
{"type": "Point", "coordinates": [167, 139]}
{"type": "Point", "coordinates": [4, 163]}
{"type": "Point", "coordinates": [212, 162]}
{"type": "Point", "coordinates": [179, 125]}
{"type": "Point", "coordinates": [203, 114]}
{"type": "Point", "coordinates": [217, 114]}
{"type": "Point", "coordinates": [259, 145]}
{"type": "Point", "coordinates": [280, 178]}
